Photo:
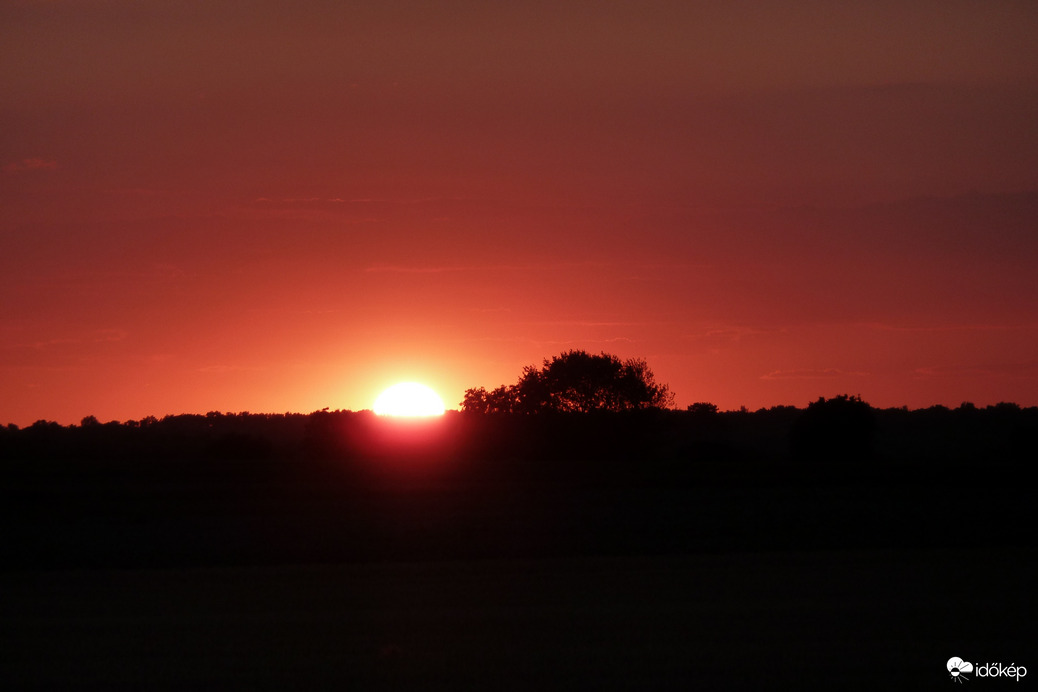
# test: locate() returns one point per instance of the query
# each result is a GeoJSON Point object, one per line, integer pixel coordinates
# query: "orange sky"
{"type": "Point", "coordinates": [285, 206]}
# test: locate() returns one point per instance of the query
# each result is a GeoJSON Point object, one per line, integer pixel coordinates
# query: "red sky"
{"type": "Point", "coordinates": [285, 206]}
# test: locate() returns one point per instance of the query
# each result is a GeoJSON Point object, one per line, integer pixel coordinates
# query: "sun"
{"type": "Point", "coordinates": [409, 399]}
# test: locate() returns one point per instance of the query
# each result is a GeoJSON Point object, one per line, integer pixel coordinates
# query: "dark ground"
{"type": "Point", "coordinates": [857, 619]}
{"type": "Point", "coordinates": [427, 572]}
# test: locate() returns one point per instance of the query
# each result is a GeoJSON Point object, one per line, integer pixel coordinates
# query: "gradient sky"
{"type": "Point", "coordinates": [274, 206]}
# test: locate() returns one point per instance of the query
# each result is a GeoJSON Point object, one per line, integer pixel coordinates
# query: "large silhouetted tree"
{"type": "Point", "coordinates": [575, 381]}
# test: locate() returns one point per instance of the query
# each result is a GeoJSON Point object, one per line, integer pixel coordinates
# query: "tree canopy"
{"type": "Point", "coordinates": [575, 381]}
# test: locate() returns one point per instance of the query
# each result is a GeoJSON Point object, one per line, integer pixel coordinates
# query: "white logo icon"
{"type": "Point", "coordinates": [957, 667]}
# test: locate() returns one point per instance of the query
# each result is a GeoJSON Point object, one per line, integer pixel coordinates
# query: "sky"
{"type": "Point", "coordinates": [269, 206]}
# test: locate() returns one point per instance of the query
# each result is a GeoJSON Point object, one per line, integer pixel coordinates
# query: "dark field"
{"type": "Point", "coordinates": [709, 566]}
{"type": "Point", "coordinates": [769, 620]}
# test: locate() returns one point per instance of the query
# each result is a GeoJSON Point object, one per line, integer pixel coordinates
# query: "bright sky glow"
{"type": "Point", "coordinates": [409, 399]}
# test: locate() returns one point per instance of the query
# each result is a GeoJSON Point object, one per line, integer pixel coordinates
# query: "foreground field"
{"type": "Point", "coordinates": [770, 620]}
{"type": "Point", "coordinates": [423, 572]}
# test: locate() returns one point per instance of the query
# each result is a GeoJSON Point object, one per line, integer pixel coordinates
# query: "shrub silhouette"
{"type": "Point", "coordinates": [575, 382]}
{"type": "Point", "coordinates": [703, 409]}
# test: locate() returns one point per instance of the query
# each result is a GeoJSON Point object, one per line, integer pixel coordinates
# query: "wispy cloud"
{"type": "Point", "coordinates": [1025, 369]}
{"type": "Point", "coordinates": [582, 343]}
{"type": "Point", "coordinates": [490, 310]}
{"type": "Point", "coordinates": [735, 333]}
{"type": "Point", "coordinates": [531, 268]}
{"type": "Point", "coordinates": [495, 268]}
{"type": "Point", "coordinates": [299, 200]}
{"type": "Point", "coordinates": [593, 323]}
{"type": "Point", "coordinates": [402, 269]}
{"type": "Point", "coordinates": [97, 336]}
{"type": "Point", "coordinates": [361, 200]}
{"type": "Point", "coordinates": [812, 374]}
{"type": "Point", "coordinates": [139, 191]}
{"type": "Point", "coordinates": [293, 311]}
{"type": "Point", "coordinates": [223, 368]}
{"type": "Point", "coordinates": [546, 343]}
{"type": "Point", "coordinates": [31, 164]}
{"type": "Point", "coordinates": [968, 327]}
{"type": "Point", "coordinates": [658, 272]}
{"type": "Point", "coordinates": [732, 334]}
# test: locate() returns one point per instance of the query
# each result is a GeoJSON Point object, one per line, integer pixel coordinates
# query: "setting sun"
{"type": "Point", "coordinates": [409, 399]}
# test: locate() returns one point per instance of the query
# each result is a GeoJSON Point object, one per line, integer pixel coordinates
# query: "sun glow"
{"type": "Point", "coordinates": [409, 399]}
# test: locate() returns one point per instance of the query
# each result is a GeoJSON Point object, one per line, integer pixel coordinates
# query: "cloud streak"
{"type": "Point", "coordinates": [879, 326]}
{"type": "Point", "coordinates": [403, 269]}
{"type": "Point", "coordinates": [812, 374]}
{"type": "Point", "coordinates": [31, 164]}
{"type": "Point", "coordinates": [1025, 369]}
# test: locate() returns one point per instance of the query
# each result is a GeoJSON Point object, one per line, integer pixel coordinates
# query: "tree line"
{"type": "Point", "coordinates": [576, 405]}
{"type": "Point", "coordinates": [834, 431]}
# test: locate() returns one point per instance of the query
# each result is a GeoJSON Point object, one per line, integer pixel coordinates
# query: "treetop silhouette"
{"type": "Point", "coordinates": [575, 382]}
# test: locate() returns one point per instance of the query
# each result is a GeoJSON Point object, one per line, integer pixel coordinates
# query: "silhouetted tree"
{"type": "Point", "coordinates": [703, 408]}
{"type": "Point", "coordinates": [504, 399]}
{"type": "Point", "coordinates": [575, 381]}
